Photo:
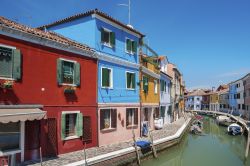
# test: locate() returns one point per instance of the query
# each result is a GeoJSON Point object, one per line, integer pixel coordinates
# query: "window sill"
{"type": "Point", "coordinates": [5, 78]}
{"type": "Point", "coordinates": [10, 152]}
{"type": "Point", "coordinates": [108, 130]}
{"type": "Point", "coordinates": [130, 53]}
{"type": "Point", "coordinates": [107, 87]}
{"type": "Point", "coordinates": [130, 89]}
{"type": "Point", "coordinates": [107, 45]}
{"type": "Point", "coordinates": [132, 126]}
{"type": "Point", "coordinates": [71, 137]}
{"type": "Point", "coordinates": [64, 84]}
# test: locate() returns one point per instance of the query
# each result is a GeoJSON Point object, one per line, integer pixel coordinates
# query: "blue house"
{"type": "Point", "coordinates": [233, 105]}
{"type": "Point", "coordinates": [116, 45]}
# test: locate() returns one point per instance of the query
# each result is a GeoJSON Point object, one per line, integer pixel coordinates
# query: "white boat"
{"type": "Point", "coordinates": [158, 123]}
{"type": "Point", "coordinates": [234, 129]}
{"type": "Point", "coordinates": [224, 120]}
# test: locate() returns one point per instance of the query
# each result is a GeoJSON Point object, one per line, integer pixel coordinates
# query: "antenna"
{"type": "Point", "coordinates": [129, 9]}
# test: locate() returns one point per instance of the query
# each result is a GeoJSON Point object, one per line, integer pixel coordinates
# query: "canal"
{"type": "Point", "coordinates": [215, 148]}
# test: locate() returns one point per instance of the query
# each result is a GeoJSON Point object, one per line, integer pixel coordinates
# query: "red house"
{"type": "Point", "coordinates": [48, 93]}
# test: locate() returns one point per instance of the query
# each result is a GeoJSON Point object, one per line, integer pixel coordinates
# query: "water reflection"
{"type": "Point", "coordinates": [216, 147]}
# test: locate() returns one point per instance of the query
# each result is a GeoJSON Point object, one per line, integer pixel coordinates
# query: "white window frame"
{"type": "Point", "coordinates": [110, 119]}
{"type": "Point", "coordinates": [127, 81]}
{"type": "Point", "coordinates": [155, 87]}
{"type": "Point", "coordinates": [72, 61]}
{"type": "Point", "coordinates": [111, 77]}
{"type": "Point", "coordinates": [71, 112]}
{"type": "Point", "coordinates": [131, 52]}
{"type": "Point", "coordinates": [133, 117]}
{"type": "Point", "coordinates": [109, 43]}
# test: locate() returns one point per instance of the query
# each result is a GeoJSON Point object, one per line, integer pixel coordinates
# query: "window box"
{"type": "Point", "coordinates": [69, 89]}
{"type": "Point", "coordinates": [8, 85]}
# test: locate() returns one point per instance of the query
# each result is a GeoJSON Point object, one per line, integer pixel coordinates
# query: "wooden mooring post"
{"type": "Point", "coordinates": [136, 149]}
{"type": "Point", "coordinates": [247, 146]}
{"type": "Point", "coordinates": [152, 144]}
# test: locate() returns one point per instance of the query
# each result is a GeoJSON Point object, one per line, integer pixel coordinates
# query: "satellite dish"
{"type": "Point", "coordinates": [130, 26]}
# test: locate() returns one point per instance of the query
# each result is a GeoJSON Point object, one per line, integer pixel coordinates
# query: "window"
{"type": "Point", "coordinates": [198, 99]}
{"type": "Point", "coordinates": [131, 117]}
{"type": "Point", "coordinates": [10, 63]}
{"type": "Point", "coordinates": [163, 86]}
{"type": "Point", "coordinates": [243, 106]}
{"type": "Point", "coordinates": [131, 46]}
{"type": "Point", "coordinates": [9, 136]}
{"type": "Point", "coordinates": [130, 80]}
{"type": "Point", "coordinates": [155, 87]}
{"type": "Point", "coordinates": [145, 84]}
{"type": "Point", "coordinates": [71, 125]}
{"type": "Point", "coordinates": [107, 78]}
{"type": "Point", "coordinates": [108, 119]}
{"type": "Point", "coordinates": [107, 37]}
{"type": "Point", "coordinates": [68, 72]}
{"type": "Point", "coordinates": [238, 106]}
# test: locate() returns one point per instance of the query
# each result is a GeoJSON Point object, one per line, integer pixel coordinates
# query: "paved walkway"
{"type": "Point", "coordinates": [68, 158]}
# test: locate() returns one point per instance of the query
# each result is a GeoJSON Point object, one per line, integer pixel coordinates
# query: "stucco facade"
{"type": "Point", "coordinates": [246, 82]}
{"type": "Point", "coordinates": [214, 101]}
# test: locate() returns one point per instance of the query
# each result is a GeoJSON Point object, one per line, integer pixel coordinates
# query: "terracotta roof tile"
{"type": "Point", "coordinates": [88, 13]}
{"type": "Point", "coordinates": [47, 35]}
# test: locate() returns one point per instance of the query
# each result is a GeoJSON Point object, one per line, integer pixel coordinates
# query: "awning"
{"type": "Point", "coordinates": [21, 114]}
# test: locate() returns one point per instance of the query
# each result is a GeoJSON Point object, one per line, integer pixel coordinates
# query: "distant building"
{"type": "Point", "coordinates": [246, 83]}
{"type": "Point", "coordinates": [194, 100]}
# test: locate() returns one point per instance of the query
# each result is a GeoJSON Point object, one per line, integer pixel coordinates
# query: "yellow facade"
{"type": "Point", "coordinates": [214, 98]}
{"type": "Point", "coordinates": [150, 96]}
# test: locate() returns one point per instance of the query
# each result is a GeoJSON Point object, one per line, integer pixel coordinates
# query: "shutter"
{"type": "Point", "coordinates": [128, 80]}
{"type": "Point", "coordinates": [165, 86]}
{"type": "Point", "coordinates": [133, 80]}
{"type": "Point", "coordinates": [101, 119]}
{"type": "Point", "coordinates": [112, 38]}
{"type": "Point", "coordinates": [134, 46]}
{"type": "Point", "coordinates": [102, 35]}
{"type": "Point", "coordinates": [145, 84]}
{"type": "Point", "coordinates": [63, 125]}
{"type": "Point", "coordinates": [163, 111]}
{"type": "Point", "coordinates": [105, 77]}
{"type": "Point", "coordinates": [113, 118]}
{"type": "Point", "coordinates": [17, 64]}
{"type": "Point", "coordinates": [127, 117]}
{"type": "Point", "coordinates": [77, 74]}
{"type": "Point", "coordinates": [136, 116]}
{"type": "Point", "coordinates": [59, 71]}
{"type": "Point", "coordinates": [87, 130]}
{"type": "Point", "coordinates": [79, 124]}
{"type": "Point", "coordinates": [129, 45]}
{"type": "Point", "coordinates": [162, 86]}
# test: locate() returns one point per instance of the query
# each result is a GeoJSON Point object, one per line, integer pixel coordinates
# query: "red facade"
{"type": "Point", "coordinates": [38, 85]}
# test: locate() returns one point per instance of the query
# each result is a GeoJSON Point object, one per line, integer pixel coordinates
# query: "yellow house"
{"type": "Point", "coordinates": [214, 101]}
{"type": "Point", "coordinates": [149, 90]}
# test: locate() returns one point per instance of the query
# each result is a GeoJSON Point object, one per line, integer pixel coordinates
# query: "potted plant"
{"type": "Point", "coordinates": [8, 84]}
{"type": "Point", "coordinates": [69, 89]}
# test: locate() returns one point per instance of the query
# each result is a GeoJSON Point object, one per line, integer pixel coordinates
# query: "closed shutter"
{"type": "Point", "coordinates": [63, 125]}
{"type": "Point", "coordinates": [17, 70]}
{"type": "Point", "coordinates": [112, 38]}
{"type": "Point", "coordinates": [127, 117]}
{"type": "Point", "coordinates": [102, 35]}
{"type": "Point", "coordinates": [134, 46]}
{"type": "Point", "coordinates": [102, 120]}
{"type": "Point", "coordinates": [59, 71]}
{"type": "Point", "coordinates": [105, 77]}
{"type": "Point", "coordinates": [145, 84]}
{"type": "Point", "coordinates": [165, 86]}
{"type": "Point", "coordinates": [79, 123]}
{"type": "Point", "coordinates": [77, 74]}
{"type": "Point", "coordinates": [113, 118]}
{"type": "Point", "coordinates": [133, 80]}
{"type": "Point", "coordinates": [87, 130]}
{"type": "Point", "coordinates": [163, 111]}
{"type": "Point", "coordinates": [162, 85]}
{"type": "Point", "coordinates": [136, 116]}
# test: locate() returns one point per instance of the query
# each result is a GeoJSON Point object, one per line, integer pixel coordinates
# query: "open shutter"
{"type": "Point", "coordinates": [145, 84]}
{"type": "Point", "coordinates": [128, 80]}
{"type": "Point", "coordinates": [133, 80]}
{"type": "Point", "coordinates": [162, 113]}
{"type": "Point", "coordinates": [129, 45]}
{"type": "Point", "coordinates": [17, 71]}
{"type": "Point", "coordinates": [105, 77]}
{"type": "Point", "coordinates": [79, 124]}
{"type": "Point", "coordinates": [165, 86]}
{"type": "Point", "coordinates": [102, 35]}
{"type": "Point", "coordinates": [77, 74]}
{"type": "Point", "coordinates": [112, 38]}
{"type": "Point", "coordinates": [134, 46]}
{"type": "Point", "coordinates": [87, 130]}
{"type": "Point", "coordinates": [63, 125]}
{"type": "Point", "coordinates": [101, 119]}
{"type": "Point", "coordinates": [59, 71]}
{"type": "Point", "coordinates": [113, 118]}
{"type": "Point", "coordinates": [136, 117]}
{"type": "Point", "coordinates": [127, 117]}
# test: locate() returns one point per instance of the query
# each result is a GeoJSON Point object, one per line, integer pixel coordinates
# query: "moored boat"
{"type": "Point", "coordinates": [224, 120]}
{"type": "Point", "coordinates": [234, 129]}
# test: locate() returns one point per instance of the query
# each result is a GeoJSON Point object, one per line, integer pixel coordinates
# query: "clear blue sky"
{"type": "Point", "coordinates": [209, 40]}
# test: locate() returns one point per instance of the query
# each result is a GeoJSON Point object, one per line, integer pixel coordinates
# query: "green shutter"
{"type": "Point", "coordinates": [17, 64]}
{"type": "Point", "coordinates": [112, 38]}
{"type": "Point", "coordinates": [105, 77]}
{"type": "Point", "coordinates": [162, 86]}
{"type": "Point", "coordinates": [145, 84]}
{"type": "Point", "coordinates": [165, 86]}
{"type": "Point", "coordinates": [79, 123]}
{"type": "Point", "coordinates": [133, 80]}
{"type": "Point", "coordinates": [128, 80]}
{"type": "Point", "coordinates": [102, 35]}
{"type": "Point", "coordinates": [59, 71]}
{"type": "Point", "coordinates": [134, 46]}
{"type": "Point", "coordinates": [63, 123]}
{"type": "Point", "coordinates": [129, 45]}
{"type": "Point", "coordinates": [77, 74]}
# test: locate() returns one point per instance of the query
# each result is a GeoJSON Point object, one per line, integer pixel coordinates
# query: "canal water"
{"type": "Point", "coordinates": [215, 148]}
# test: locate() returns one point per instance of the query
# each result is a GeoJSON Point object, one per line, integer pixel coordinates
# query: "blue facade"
{"type": "Point", "coordinates": [87, 30]}
{"type": "Point", "coordinates": [232, 99]}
